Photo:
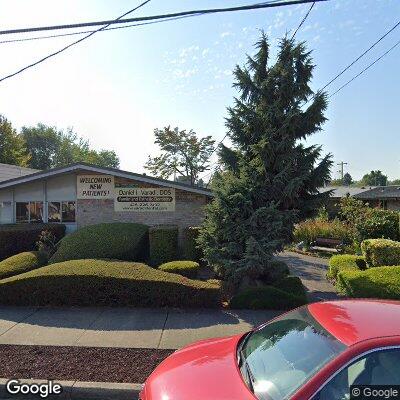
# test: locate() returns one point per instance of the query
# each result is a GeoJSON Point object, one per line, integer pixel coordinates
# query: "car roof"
{"type": "Point", "coordinates": [352, 321]}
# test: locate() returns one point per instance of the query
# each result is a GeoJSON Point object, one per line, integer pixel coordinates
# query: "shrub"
{"type": "Point", "coordinates": [184, 268]}
{"type": "Point", "coordinates": [163, 244]}
{"type": "Point", "coordinates": [307, 231]}
{"type": "Point", "coordinates": [345, 262]}
{"type": "Point", "coordinates": [292, 285]}
{"type": "Point", "coordinates": [17, 238]}
{"type": "Point", "coordinates": [380, 252]}
{"type": "Point", "coordinates": [265, 297]}
{"type": "Point", "coordinates": [106, 283]}
{"type": "Point", "coordinates": [381, 283]}
{"type": "Point", "coordinates": [22, 262]}
{"type": "Point", "coordinates": [190, 251]}
{"type": "Point", "coordinates": [376, 224]}
{"type": "Point", "coordinates": [277, 270]}
{"type": "Point", "coordinates": [122, 241]}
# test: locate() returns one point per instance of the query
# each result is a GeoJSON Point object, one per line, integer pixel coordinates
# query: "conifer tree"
{"type": "Point", "coordinates": [269, 178]}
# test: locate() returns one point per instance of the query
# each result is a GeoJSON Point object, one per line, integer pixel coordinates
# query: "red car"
{"type": "Point", "coordinates": [315, 352]}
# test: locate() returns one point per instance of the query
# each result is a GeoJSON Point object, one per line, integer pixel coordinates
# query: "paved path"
{"type": "Point", "coordinates": [312, 272]}
{"type": "Point", "coordinates": [122, 327]}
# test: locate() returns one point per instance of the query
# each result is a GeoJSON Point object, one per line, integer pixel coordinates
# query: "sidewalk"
{"type": "Point", "coordinates": [122, 327]}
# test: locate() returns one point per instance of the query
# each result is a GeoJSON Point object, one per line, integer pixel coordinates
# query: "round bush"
{"type": "Point", "coordinates": [345, 262]}
{"type": "Point", "coordinates": [21, 263]}
{"type": "Point", "coordinates": [184, 268]}
{"type": "Point", "coordinates": [106, 283]}
{"type": "Point", "coordinates": [163, 244]}
{"type": "Point", "coordinates": [121, 241]}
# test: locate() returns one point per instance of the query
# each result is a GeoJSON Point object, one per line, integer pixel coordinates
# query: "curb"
{"type": "Point", "coordinates": [77, 390]}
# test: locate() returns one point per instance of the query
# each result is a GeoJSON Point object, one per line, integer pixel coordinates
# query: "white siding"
{"type": "Point", "coordinates": [6, 206]}
{"type": "Point", "coordinates": [29, 192]}
{"type": "Point", "coordinates": [61, 188]}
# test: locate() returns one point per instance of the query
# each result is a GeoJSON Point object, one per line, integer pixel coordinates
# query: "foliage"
{"type": "Point", "coordinates": [352, 210]}
{"type": "Point", "coordinates": [12, 146]}
{"type": "Point", "coordinates": [106, 283]}
{"type": "Point", "coordinates": [47, 243]}
{"type": "Point", "coordinates": [183, 153]}
{"type": "Point", "coordinates": [308, 230]}
{"type": "Point", "coordinates": [21, 263]}
{"type": "Point", "coordinates": [163, 240]}
{"type": "Point", "coordinates": [380, 252]}
{"type": "Point", "coordinates": [122, 241]}
{"type": "Point", "coordinates": [343, 262]}
{"type": "Point", "coordinates": [374, 178]}
{"type": "Point", "coordinates": [270, 177]}
{"type": "Point", "coordinates": [189, 269]}
{"type": "Point", "coordinates": [323, 214]}
{"type": "Point", "coordinates": [284, 295]}
{"type": "Point", "coordinates": [190, 249]}
{"type": "Point", "coordinates": [378, 283]}
{"type": "Point", "coordinates": [49, 147]}
{"type": "Point", "coordinates": [395, 182]}
{"type": "Point", "coordinates": [347, 179]}
{"type": "Point", "coordinates": [15, 239]}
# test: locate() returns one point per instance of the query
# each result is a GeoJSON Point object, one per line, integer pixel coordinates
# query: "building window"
{"type": "Point", "coordinates": [61, 211]}
{"type": "Point", "coordinates": [29, 211]}
{"type": "Point", "coordinates": [68, 211]}
{"type": "Point", "coordinates": [54, 211]}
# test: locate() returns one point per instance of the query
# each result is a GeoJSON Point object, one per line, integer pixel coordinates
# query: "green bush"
{"type": "Point", "coordinates": [22, 262]}
{"type": "Point", "coordinates": [163, 244]}
{"type": "Point", "coordinates": [106, 283]}
{"type": "Point", "coordinates": [307, 231]}
{"type": "Point", "coordinates": [122, 241]}
{"type": "Point", "coordinates": [17, 238]}
{"type": "Point", "coordinates": [380, 283]}
{"type": "Point", "coordinates": [277, 270]}
{"type": "Point", "coordinates": [184, 268]}
{"type": "Point", "coordinates": [345, 262]}
{"type": "Point", "coordinates": [189, 246]}
{"type": "Point", "coordinates": [377, 223]}
{"type": "Point", "coordinates": [380, 252]}
{"type": "Point", "coordinates": [285, 294]}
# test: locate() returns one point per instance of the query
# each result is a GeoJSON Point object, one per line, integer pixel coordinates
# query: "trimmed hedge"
{"type": "Point", "coordinates": [380, 283]}
{"type": "Point", "coordinates": [184, 268]}
{"type": "Point", "coordinates": [285, 294]}
{"type": "Point", "coordinates": [22, 262]}
{"type": "Point", "coordinates": [163, 241]}
{"type": "Point", "coordinates": [122, 241]}
{"type": "Point", "coordinates": [106, 283]}
{"type": "Point", "coordinates": [345, 262]}
{"type": "Point", "coordinates": [17, 238]}
{"type": "Point", "coordinates": [190, 251]}
{"type": "Point", "coordinates": [380, 252]}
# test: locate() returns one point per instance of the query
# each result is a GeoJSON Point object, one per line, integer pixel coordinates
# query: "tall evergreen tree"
{"type": "Point", "coordinates": [270, 177]}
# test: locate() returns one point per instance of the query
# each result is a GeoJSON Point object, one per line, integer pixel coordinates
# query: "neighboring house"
{"type": "Point", "coordinates": [386, 197]}
{"type": "Point", "coordinates": [83, 194]}
{"type": "Point", "coordinates": [8, 171]}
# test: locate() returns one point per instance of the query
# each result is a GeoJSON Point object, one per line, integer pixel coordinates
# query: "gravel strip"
{"type": "Point", "coordinates": [93, 364]}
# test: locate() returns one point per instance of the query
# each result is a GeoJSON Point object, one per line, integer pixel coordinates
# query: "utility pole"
{"type": "Point", "coordinates": [341, 170]}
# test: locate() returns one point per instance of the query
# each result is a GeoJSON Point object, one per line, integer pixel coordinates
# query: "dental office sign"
{"type": "Point", "coordinates": [137, 199]}
{"type": "Point", "coordinates": [95, 187]}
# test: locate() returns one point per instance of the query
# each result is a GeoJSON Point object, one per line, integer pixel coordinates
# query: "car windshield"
{"type": "Point", "coordinates": [278, 358]}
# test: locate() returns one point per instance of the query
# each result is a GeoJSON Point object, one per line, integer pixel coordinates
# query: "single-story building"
{"type": "Point", "coordinates": [81, 194]}
{"type": "Point", "coordinates": [386, 197]}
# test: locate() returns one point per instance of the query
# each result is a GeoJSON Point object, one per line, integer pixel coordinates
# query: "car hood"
{"type": "Point", "coordinates": [205, 370]}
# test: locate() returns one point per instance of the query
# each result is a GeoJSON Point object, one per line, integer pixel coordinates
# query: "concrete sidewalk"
{"type": "Point", "coordinates": [122, 327]}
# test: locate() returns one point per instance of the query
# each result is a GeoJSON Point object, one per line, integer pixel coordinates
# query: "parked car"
{"type": "Point", "coordinates": [315, 352]}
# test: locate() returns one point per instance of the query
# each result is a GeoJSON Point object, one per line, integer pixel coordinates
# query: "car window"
{"type": "Point", "coordinates": [278, 358]}
{"type": "Point", "coordinates": [378, 368]}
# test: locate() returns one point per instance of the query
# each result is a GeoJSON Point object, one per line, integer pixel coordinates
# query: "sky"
{"type": "Point", "coordinates": [116, 87]}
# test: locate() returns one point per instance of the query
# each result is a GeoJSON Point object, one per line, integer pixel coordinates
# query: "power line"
{"type": "Point", "coordinates": [361, 56]}
{"type": "Point", "coordinates": [70, 45]}
{"type": "Point", "coordinates": [303, 20]}
{"type": "Point", "coordinates": [266, 4]}
{"type": "Point", "coordinates": [366, 69]}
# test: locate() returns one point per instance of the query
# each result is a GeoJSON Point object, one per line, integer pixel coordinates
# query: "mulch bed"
{"type": "Point", "coordinates": [93, 364]}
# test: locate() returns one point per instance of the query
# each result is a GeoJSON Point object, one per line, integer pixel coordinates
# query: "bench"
{"type": "Point", "coordinates": [327, 244]}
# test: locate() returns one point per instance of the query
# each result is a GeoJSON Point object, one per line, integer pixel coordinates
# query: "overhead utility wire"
{"type": "Point", "coordinates": [303, 20]}
{"type": "Point", "coordinates": [366, 69]}
{"type": "Point", "coordinates": [361, 55]}
{"type": "Point", "coordinates": [70, 45]}
{"type": "Point", "coordinates": [270, 4]}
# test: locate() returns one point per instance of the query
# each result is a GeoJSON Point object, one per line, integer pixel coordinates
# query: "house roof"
{"type": "Point", "coordinates": [344, 191]}
{"type": "Point", "coordinates": [84, 167]}
{"type": "Point", "coordinates": [381, 193]}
